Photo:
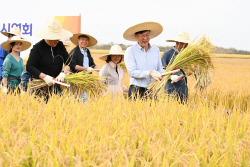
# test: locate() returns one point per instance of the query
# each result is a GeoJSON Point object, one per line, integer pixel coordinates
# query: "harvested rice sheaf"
{"type": "Point", "coordinates": [84, 81]}
{"type": "Point", "coordinates": [80, 82]}
{"type": "Point", "coordinates": [196, 54]}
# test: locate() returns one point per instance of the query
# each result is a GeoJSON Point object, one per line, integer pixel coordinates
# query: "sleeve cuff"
{"type": "Point", "coordinates": [146, 73]}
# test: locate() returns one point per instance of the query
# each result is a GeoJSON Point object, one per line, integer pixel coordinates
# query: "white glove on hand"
{"type": "Point", "coordinates": [4, 90]}
{"type": "Point", "coordinates": [49, 80]}
{"type": "Point", "coordinates": [175, 78]}
{"type": "Point", "coordinates": [23, 93]}
{"type": "Point", "coordinates": [156, 75]}
{"type": "Point", "coordinates": [60, 77]}
{"type": "Point", "coordinates": [90, 69]}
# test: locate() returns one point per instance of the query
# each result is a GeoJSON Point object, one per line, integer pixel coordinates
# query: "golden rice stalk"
{"type": "Point", "coordinates": [203, 79]}
{"type": "Point", "coordinates": [84, 81]}
{"type": "Point", "coordinates": [195, 54]}
{"type": "Point", "coordinates": [123, 66]}
{"type": "Point", "coordinates": [37, 83]}
{"type": "Point", "coordinates": [80, 82]}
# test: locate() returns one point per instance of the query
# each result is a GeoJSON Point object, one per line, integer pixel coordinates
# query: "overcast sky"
{"type": "Point", "coordinates": [226, 22]}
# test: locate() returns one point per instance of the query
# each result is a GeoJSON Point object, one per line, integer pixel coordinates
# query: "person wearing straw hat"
{"type": "Point", "coordinates": [48, 56]}
{"type": "Point", "coordinates": [177, 85]}
{"type": "Point", "coordinates": [26, 76]}
{"type": "Point", "coordinates": [81, 56]}
{"type": "Point", "coordinates": [15, 31]}
{"type": "Point", "coordinates": [112, 71]}
{"type": "Point", "coordinates": [13, 63]}
{"type": "Point", "coordinates": [142, 60]}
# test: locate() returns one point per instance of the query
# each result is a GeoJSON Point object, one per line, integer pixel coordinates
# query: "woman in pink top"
{"type": "Point", "coordinates": [113, 71]}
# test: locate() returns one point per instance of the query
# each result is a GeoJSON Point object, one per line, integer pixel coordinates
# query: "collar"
{"type": "Point", "coordinates": [176, 50]}
{"type": "Point", "coordinates": [139, 46]}
{"type": "Point", "coordinates": [85, 50]}
{"type": "Point", "coordinates": [112, 64]}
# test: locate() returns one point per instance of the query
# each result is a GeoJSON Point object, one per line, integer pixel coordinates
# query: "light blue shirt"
{"type": "Point", "coordinates": [139, 63]}
{"type": "Point", "coordinates": [85, 58]}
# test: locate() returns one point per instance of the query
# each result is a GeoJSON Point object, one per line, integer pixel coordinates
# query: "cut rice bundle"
{"type": "Point", "coordinates": [198, 54]}
{"type": "Point", "coordinates": [80, 82]}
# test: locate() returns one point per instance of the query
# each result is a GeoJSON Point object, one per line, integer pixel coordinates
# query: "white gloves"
{"type": "Point", "coordinates": [175, 78]}
{"type": "Point", "coordinates": [4, 90]}
{"type": "Point", "coordinates": [156, 75]}
{"type": "Point", "coordinates": [90, 69]}
{"type": "Point", "coordinates": [49, 80]}
{"type": "Point", "coordinates": [60, 77]}
{"type": "Point", "coordinates": [23, 93]}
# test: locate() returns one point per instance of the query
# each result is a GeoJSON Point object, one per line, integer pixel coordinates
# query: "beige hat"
{"type": "Point", "coordinates": [114, 50]}
{"type": "Point", "coordinates": [155, 30]}
{"type": "Point", "coordinates": [181, 37]}
{"type": "Point", "coordinates": [14, 31]}
{"type": "Point", "coordinates": [92, 40]}
{"type": "Point", "coordinates": [53, 31]}
{"type": "Point", "coordinates": [25, 44]}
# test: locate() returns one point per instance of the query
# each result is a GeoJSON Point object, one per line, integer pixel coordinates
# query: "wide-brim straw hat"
{"type": "Point", "coordinates": [182, 37]}
{"type": "Point", "coordinates": [155, 30]}
{"type": "Point", "coordinates": [114, 50]}
{"type": "Point", "coordinates": [14, 31]}
{"type": "Point", "coordinates": [92, 40]}
{"type": "Point", "coordinates": [53, 31]}
{"type": "Point", "coordinates": [25, 44]}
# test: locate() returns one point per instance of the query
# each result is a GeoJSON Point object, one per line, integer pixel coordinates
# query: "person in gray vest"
{"type": "Point", "coordinates": [112, 71]}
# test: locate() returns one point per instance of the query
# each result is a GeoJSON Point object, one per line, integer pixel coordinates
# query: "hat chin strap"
{"type": "Point", "coordinates": [114, 62]}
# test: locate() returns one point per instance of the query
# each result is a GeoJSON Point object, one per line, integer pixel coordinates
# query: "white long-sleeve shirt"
{"type": "Point", "coordinates": [139, 63]}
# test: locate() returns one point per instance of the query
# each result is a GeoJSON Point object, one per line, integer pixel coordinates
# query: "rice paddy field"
{"type": "Point", "coordinates": [213, 129]}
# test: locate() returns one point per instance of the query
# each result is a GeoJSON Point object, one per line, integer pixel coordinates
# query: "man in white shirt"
{"type": "Point", "coordinates": [142, 59]}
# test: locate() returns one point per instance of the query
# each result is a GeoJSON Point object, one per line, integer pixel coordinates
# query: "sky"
{"type": "Point", "coordinates": [225, 22]}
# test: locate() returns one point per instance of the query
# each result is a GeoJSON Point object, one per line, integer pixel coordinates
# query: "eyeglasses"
{"type": "Point", "coordinates": [143, 36]}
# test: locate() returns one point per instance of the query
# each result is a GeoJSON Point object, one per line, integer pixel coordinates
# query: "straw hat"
{"type": "Point", "coordinates": [53, 31]}
{"type": "Point", "coordinates": [181, 37]}
{"type": "Point", "coordinates": [14, 31]}
{"type": "Point", "coordinates": [155, 30]}
{"type": "Point", "coordinates": [92, 40]}
{"type": "Point", "coordinates": [114, 50]}
{"type": "Point", "coordinates": [25, 44]}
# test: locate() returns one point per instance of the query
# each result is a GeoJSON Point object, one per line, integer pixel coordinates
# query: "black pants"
{"type": "Point", "coordinates": [13, 90]}
{"type": "Point", "coordinates": [48, 91]}
{"type": "Point", "coordinates": [136, 91]}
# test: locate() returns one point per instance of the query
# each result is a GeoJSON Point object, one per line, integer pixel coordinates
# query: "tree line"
{"type": "Point", "coordinates": [219, 50]}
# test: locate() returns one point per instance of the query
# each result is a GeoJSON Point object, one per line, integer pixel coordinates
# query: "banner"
{"type": "Point", "coordinates": [29, 24]}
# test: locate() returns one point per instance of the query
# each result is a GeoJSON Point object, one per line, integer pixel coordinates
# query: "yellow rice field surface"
{"type": "Point", "coordinates": [109, 131]}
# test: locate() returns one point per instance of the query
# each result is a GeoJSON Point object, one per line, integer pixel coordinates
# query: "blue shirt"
{"type": "Point", "coordinates": [2, 53]}
{"type": "Point", "coordinates": [139, 63]}
{"type": "Point", "coordinates": [179, 87]}
{"type": "Point", "coordinates": [85, 58]}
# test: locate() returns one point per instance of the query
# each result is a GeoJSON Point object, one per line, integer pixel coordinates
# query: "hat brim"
{"type": "Point", "coordinates": [7, 34]}
{"type": "Point", "coordinates": [155, 30]}
{"type": "Point", "coordinates": [25, 45]}
{"type": "Point", "coordinates": [104, 57]}
{"type": "Point", "coordinates": [182, 41]}
{"type": "Point", "coordinates": [44, 33]}
{"type": "Point", "coordinates": [92, 40]}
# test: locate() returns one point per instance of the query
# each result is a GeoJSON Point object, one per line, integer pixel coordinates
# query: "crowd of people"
{"type": "Point", "coordinates": [50, 61]}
